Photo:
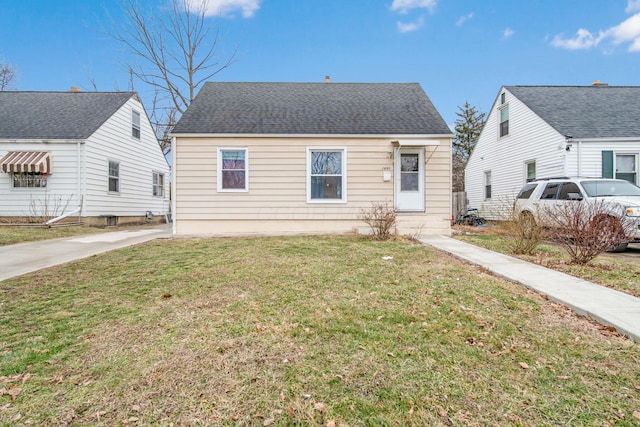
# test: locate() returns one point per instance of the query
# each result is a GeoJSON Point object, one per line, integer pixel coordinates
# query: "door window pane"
{"type": "Point", "coordinates": [409, 172]}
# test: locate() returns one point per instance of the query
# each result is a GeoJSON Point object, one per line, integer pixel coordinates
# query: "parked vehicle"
{"type": "Point", "coordinates": [617, 200]}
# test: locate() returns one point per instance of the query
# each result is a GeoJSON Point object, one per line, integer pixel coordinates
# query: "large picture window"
{"type": "Point", "coordinates": [114, 177]}
{"type": "Point", "coordinates": [326, 175]}
{"type": "Point", "coordinates": [232, 169]}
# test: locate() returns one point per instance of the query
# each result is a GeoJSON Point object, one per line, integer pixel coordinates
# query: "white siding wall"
{"type": "Point", "coordinates": [277, 197]}
{"type": "Point", "coordinates": [530, 139]}
{"type": "Point", "coordinates": [61, 187]}
{"type": "Point", "coordinates": [585, 157]}
{"type": "Point", "coordinates": [138, 159]}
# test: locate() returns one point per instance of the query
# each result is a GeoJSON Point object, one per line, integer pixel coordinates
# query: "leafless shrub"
{"type": "Point", "coordinates": [585, 230]}
{"type": "Point", "coordinates": [523, 233]}
{"type": "Point", "coordinates": [382, 220]}
{"type": "Point", "coordinates": [47, 207]}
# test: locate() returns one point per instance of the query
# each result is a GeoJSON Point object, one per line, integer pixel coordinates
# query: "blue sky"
{"type": "Point", "coordinates": [458, 50]}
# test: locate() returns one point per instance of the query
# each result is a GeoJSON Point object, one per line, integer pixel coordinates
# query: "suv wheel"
{"type": "Point", "coordinates": [609, 226]}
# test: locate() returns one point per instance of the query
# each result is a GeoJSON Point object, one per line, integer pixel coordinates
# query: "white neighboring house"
{"type": "Point", "coordinates": [552, 131]}
{"type": "Point", "coordinates": [91, 155]}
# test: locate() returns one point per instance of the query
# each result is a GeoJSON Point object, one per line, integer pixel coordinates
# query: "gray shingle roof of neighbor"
{"type": "Point", "coordinates": [312, 108]}
{"type": "Point", "coordinates": [585, 111]}
{"type": "Point", "coordinates": [56, 115]}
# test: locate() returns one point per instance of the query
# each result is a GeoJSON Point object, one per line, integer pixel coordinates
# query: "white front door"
{"type": "Point", "coordinates": [409, 179]}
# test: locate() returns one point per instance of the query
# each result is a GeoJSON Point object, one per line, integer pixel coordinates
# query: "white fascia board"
{"type": "Point", "coordinates": [626, 139]}
{"type": "Point", "coordinates": [42, 141]}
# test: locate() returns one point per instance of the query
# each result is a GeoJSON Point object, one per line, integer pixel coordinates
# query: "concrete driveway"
{"type": "Point", "coordinates": [16, 260]}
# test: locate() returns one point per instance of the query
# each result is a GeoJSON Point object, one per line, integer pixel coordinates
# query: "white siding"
{"type": "Point", "coordinates": [61, 187]}
{"type": "Point", "coordinates": [277, 197]}
{"type": "Point", "coordinates": [585, 157]}
{"type": "Point", "coordinates": [138, 159]}
{"type": "Point", "coordinates": [530, 139]}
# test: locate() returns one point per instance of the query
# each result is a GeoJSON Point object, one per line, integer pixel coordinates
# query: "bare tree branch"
{"type": "Point", "coordinates": [174, 51]}
{"type": "Point", "coordinates": [7, 75]}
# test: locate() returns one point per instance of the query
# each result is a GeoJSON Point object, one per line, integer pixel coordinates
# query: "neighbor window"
{"type": "Point", "coordinates": [504, 121]}
{"type": "Point", "coordinates": [487, 185]}
{"type": "Point", "coordinates": [531, 171]}
{"type": "Point", "coordinates": [326, 175]}
{"type": "Point", "coordinates": [626, 167]}
{"type": "Point", "coordinates": [158, 184]}
{"type": "Point", "coordinates": [502, 98]}
{"type": "Point", "coordinates": [29, 180]}
{"type": "Point", "coordinates": [135, 124]}
{"type": "Point", "coordinates": [232, 169]}
{"type": "Point", "coordinates": [114, 177]}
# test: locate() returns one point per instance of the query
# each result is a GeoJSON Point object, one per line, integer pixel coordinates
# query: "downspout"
{"type": "Point", "coordinates": [579, 158]}
{"type": "Point", "coordinates": [174, 216]}
{"type": "Point", "coordinates": [79, 196]}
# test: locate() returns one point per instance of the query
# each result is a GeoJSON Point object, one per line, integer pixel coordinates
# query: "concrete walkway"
{"type": "Point", "coordinates": [24, 258]}
{"type": "Point", "coordinates": [607, 306]}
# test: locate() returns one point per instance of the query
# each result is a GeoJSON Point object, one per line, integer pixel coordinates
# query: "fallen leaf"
{"type": "Point", "coordinates": [328, 310]}
{"type": "Point", "coordinates": [523, 365]}
{"type": "Point", "coordinates": [25, 378]}
{"type": "Point", "coordinates": [278, 411]}
{"type": "Point", "coordinates": [319, 406]}
{"type": "Point", "coordinates": [269, 421]}
{"type": "Point", "coordinates": [331, 423]}
{"type": "Point", "coordinates": [135, 408]}
{"type": "Point", "coordinates": [636, 415]}
{"type": "Point", "coordinates": [563, 377]}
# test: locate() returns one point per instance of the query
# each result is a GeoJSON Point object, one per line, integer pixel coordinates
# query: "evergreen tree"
{"type": "Point", "coordinates": [468, 127]}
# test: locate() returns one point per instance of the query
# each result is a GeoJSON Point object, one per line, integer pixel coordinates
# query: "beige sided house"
{"type": "Point", "coordinates": [280, 158]}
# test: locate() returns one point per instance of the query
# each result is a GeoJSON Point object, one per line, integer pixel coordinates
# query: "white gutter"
{"type": "Point", "coordinates": [307, 135]}
{"type": "Point", "coordinates": [173, 185]}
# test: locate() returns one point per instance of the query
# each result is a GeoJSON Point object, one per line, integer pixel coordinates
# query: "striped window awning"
{"type": "Point", "coordinates": [26, 161]}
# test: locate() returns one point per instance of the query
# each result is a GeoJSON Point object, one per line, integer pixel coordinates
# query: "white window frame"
{"type": "Point", "coordinates": [526, 171]}
{"type": "Point", "coordinates": [615, 165]}
{"type": "Point", "coordinates": [343, 150]}
{"type": "Point", "coordinates": [157, 189]}
{"type": "Point", "coordinates": [246, 170]}
{"type": "Point", "coordinates": [30, 177]}
{"type": "Point", "coordinates": [135, 127]}
{"type": "Point", "coordinates": [500, 110]}
{"type": "Point", "coordinates": [488, 179]}
{"type": "Point", "coordinates": [110, 177]}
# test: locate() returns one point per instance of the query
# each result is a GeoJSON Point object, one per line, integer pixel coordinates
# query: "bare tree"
{"type": "Point", "coordinates": [175, 50]}
{"type": "Point", "coordinates": [7, 75]}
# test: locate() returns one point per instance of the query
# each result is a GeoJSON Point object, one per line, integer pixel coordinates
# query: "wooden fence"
{"type": "Point", "coordinates": [459, 202]}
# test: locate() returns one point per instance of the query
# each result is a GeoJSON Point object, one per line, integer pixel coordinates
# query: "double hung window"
{"type": "Point", "coordinates": [232, 169]}
{"type": "Point", "coordinates": [158, 184]}
{"type": "Point", "coordinates": [114, 177]}
{"type": "Point", "coordinates": [326, 175]}
{"type": "Point", "coordinates": [135, 124]}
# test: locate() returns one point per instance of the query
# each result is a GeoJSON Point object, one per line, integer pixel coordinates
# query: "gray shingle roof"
{"type": "Point", "coordinates": [311, 108]}
{"type": "Point", "coordinates": [585, 111]}
{"type": "Point", "coordinates": [56, 115]}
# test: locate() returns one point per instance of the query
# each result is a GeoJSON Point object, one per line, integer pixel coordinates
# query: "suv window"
{"type": "Point", "coordinates": [570, 191]}
{"type": "Point", "coordinates": [527, 190]}
{"type": "Point", "coordinates": [550, 191]}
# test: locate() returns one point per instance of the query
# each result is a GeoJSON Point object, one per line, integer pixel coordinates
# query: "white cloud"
{"type": "Point", "coordinates": [404, 6]}
{"type": "Point", "coordinates": [632, 6]}
{"type": "Point", "coordinates": [406, 27]}
{"type": "Point", "coordinates": [626, 32]}
{"type": "Point", "coordinates": [507, 33]}
{"type": "Point", "coordinates": [227, 7]}
{"type": "Point", "coordinates": [466, 17]}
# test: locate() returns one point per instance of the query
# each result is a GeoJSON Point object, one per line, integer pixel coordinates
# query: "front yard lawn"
{"type": "Point", "coordinates": [611, 270]}
{"type": "Point", "coordinates": [10, 235]}
{"type": "Point", "coordinates": [292, 331]}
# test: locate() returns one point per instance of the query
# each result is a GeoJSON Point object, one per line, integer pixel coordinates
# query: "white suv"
{"type": "Point", "coordinates": [617, 198]}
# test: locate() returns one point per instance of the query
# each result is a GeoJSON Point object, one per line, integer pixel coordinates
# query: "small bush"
{"type": "Point", "coordinates": [586, 230]}
{"type": "Point", "coordinates": [522, 231]}
{"type": "Point", "coordinates": [382, 220]}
